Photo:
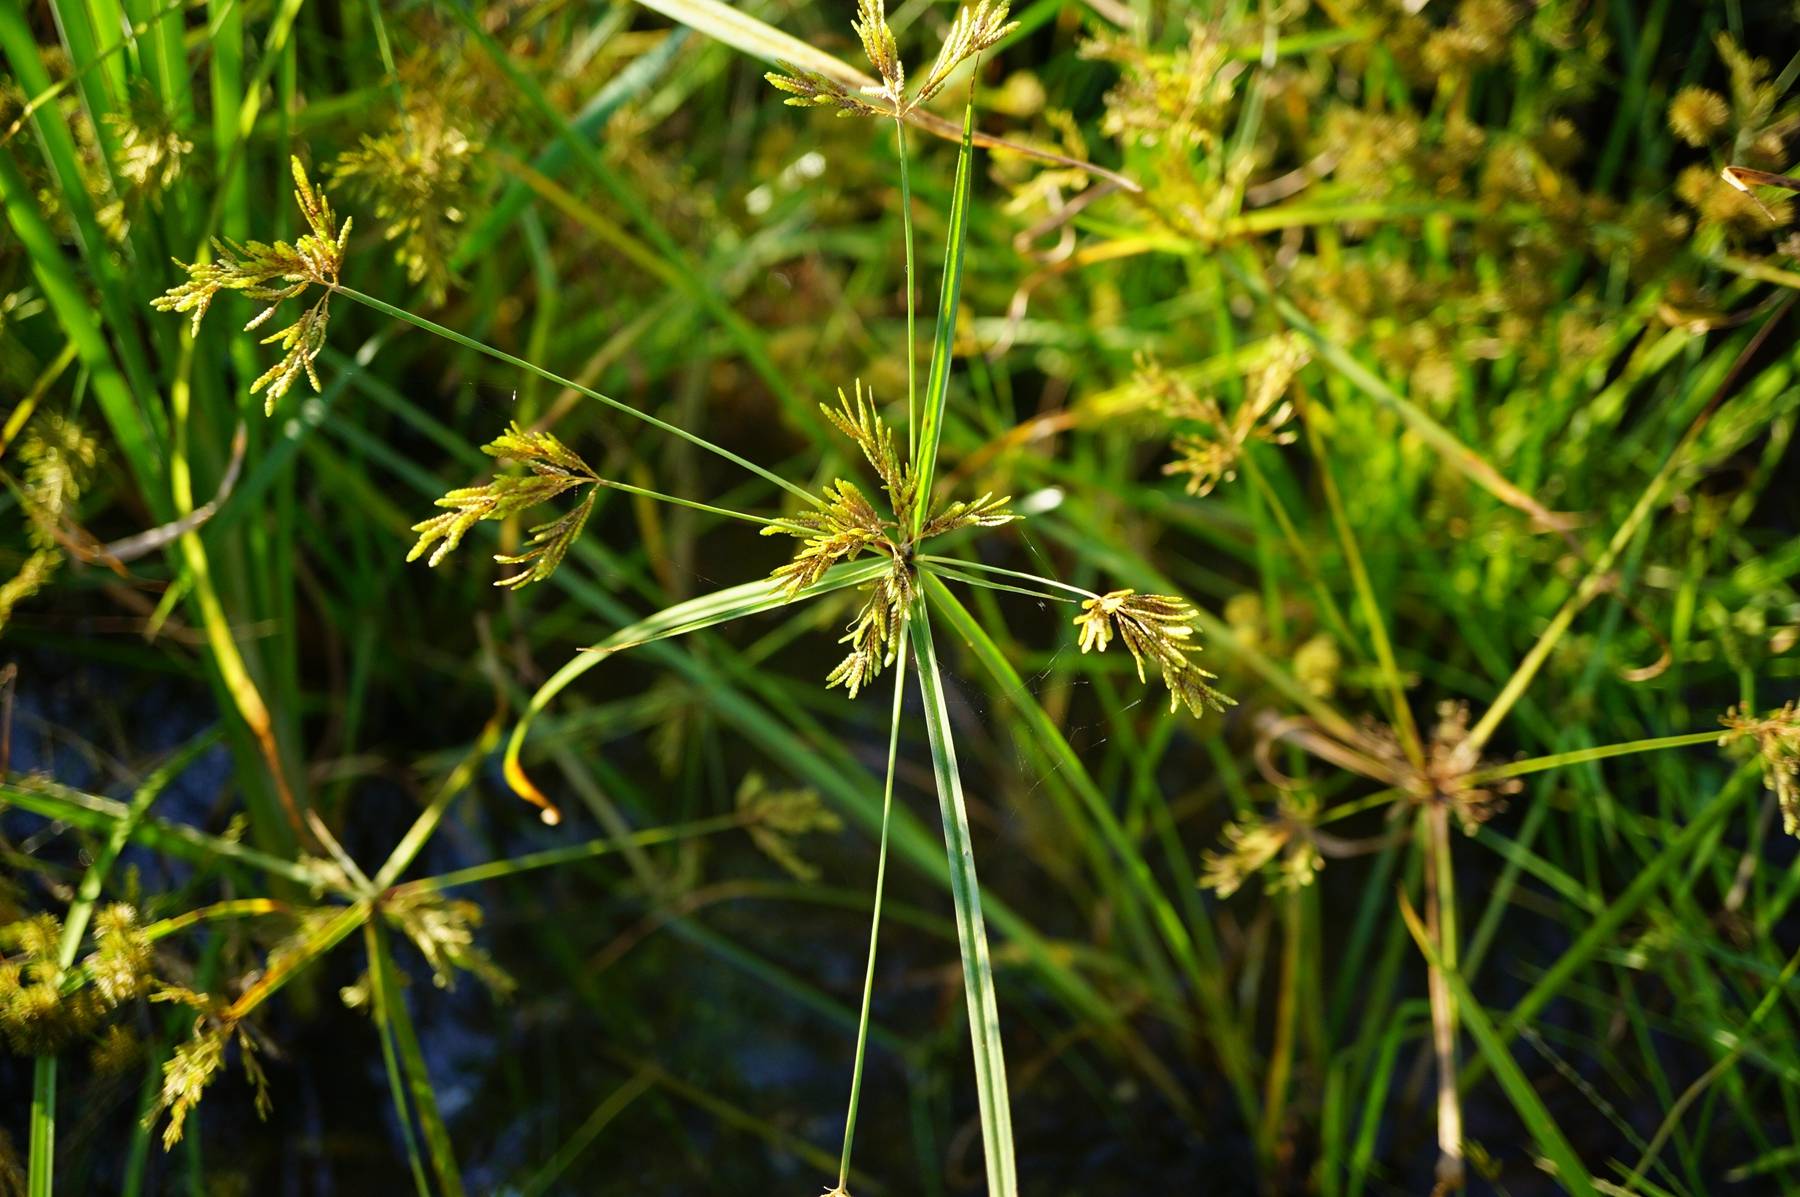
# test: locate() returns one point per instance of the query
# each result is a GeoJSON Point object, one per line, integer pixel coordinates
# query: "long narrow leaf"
{"type": "Point", "coordinates": [707, 611]}
{"type": "Point", "coordinates": [943, 341]}
{"type": "Point", "coordinates": [971, 933]}
{"type": "Point", "coordinates": [385, 989]}
{"type": "Point", "coordinates": [1202, 968]}
{"type": "Point", "coordinates": [380, 999]}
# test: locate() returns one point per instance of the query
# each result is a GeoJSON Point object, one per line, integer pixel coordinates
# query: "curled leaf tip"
{"type": "Point", "coordinates": [526, 789]}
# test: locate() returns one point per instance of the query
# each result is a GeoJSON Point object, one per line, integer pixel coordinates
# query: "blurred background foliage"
{"type": "Point", "coordinates": [1427, 347]}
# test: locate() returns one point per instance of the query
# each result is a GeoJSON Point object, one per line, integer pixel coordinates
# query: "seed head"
{"type": "Point", "coordinates": [1696, 114]}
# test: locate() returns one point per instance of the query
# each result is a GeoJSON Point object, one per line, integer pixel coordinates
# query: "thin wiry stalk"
{"type": "Point", "coordinates": [519, 363]}
{"type": "Point", "coordinates": [956, 575]}
{"type": "Point", "coordinates": [1401, 709]}
{"type": "Point", "coordinates": [984, 567]}
{"type": "Point", "coordinates": [943, 342]}
{"type": "Point", "coordinates": [1440, 924]}
{"type": "Point", "coordinates": [887, 806]}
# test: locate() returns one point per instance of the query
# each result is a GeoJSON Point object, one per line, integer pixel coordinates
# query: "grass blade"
{"type": "Point", "coordinates": [971, 933]}
{"type": "Point", "coordinates": [1200, 962]}
{"type": "Point", "coordinates": [722, 606]}
{"type": "Point", "coordinates": [937, 382]}
{"type": "Point", "coordinates": [384, 988]}
{"type": "Point", "coordinates": [379, 1000]}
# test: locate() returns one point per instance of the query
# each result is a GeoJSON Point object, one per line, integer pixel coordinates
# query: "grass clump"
{"type": "Point", "coordinates": [1433, 368]}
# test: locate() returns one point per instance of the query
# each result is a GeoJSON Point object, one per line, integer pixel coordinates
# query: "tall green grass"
{"type": "Point", "coordinates": [1502, 395]}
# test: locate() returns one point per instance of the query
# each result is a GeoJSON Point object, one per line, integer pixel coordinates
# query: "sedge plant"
{"type": "Point", "coordinates": [845, 540]}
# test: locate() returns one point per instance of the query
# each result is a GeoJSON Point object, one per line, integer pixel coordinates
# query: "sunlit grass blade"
{"type": "Point", "coordinates": [971, 932]}
{"type": "Point", "coordinates": [1200, 962]}
{"type": "Point", "coordinates": [943, 341]}
{"type": "Point", "coordinates": [133, 432]}
{"type": "Point", "coordinates": [710, 610]}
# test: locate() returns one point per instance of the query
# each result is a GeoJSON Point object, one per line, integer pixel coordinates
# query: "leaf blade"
{"type": "Point", "coordinates": [937, 382]}
{"type": "Point", "coordinates": [971, 933]}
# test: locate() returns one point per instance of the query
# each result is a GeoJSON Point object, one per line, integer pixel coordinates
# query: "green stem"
{"type": "Point", "coordinates": [1581, 756]}
{"type": "Point", "coordinates": [693, 504]}
{"type": "Point", "coordinates": [1401, 709]}
{"type": "Point", "coordinates": [983, 567]}
{"type": "Point", "coordinates": [588, 851]}
{"type": "Point", "coordinates": [43, 1126]}
{"type": "Point", "coordinates": [950, 573]}
{"type": "Point", "coordinates": [887, 806]}
{"type": "Point", "coordinates": [379, 999]}
{"type": "Point", "coordinates": [413, 842]}
{"type": "Point", "coordinates": [943, 341]}
{"type": "Point", "coordinates": [450, 334]}
{"type": "Point", "coordinates": [100, 814]}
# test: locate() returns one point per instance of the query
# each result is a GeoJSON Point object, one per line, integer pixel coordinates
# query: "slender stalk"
{"type": "Point", "coordinates": [983, 567]}
{"type": "Point", "coordinates": [591, 850]}
{"type": "Point", "coordinates": [1401, 709]}
{"type": "Point", "coordinates": [956, 575]}
{"type": "Point", "coordinates": [1581, 756]}
{"type": "Point", "coordinates": [450, 334]}
{"type": "Point", "coordinates": [695, 505]}
{"type": "Point", "coordinates": [1440, 924]}
{"type": "Point", "coordinates": [391, 1004]}
{"type": "Point", "coordinates": [887, 806]}
{"type": "Point", "coordinates": [43, 1127]}
{"type": "Point", "coordinates": [380, 999]}
{"type": "Point", "coordinates": [413, 842]}
{"type": "Point", "coordinates": [99, 814]}
{"type": "Point", "coordinates": [943, 341]}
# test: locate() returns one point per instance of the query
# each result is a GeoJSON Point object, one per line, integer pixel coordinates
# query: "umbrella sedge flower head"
{"type": "Point", "coordinates": [555, 469]}
{"type": "Point", "coordinates": [846, 524]}
{"type": "Point", "coordinates": [274, 273]}
{"type": "Point", "coordinates": [1697, 114]}
{"type": "Point", "coordinates": [1776, 739]}
{"type": "Point", "coordinates": [971, 32]}
{"type": "Point", "coordinates": [418, 176]}
{"type": "Point", "coordinates": [1158, 628]}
